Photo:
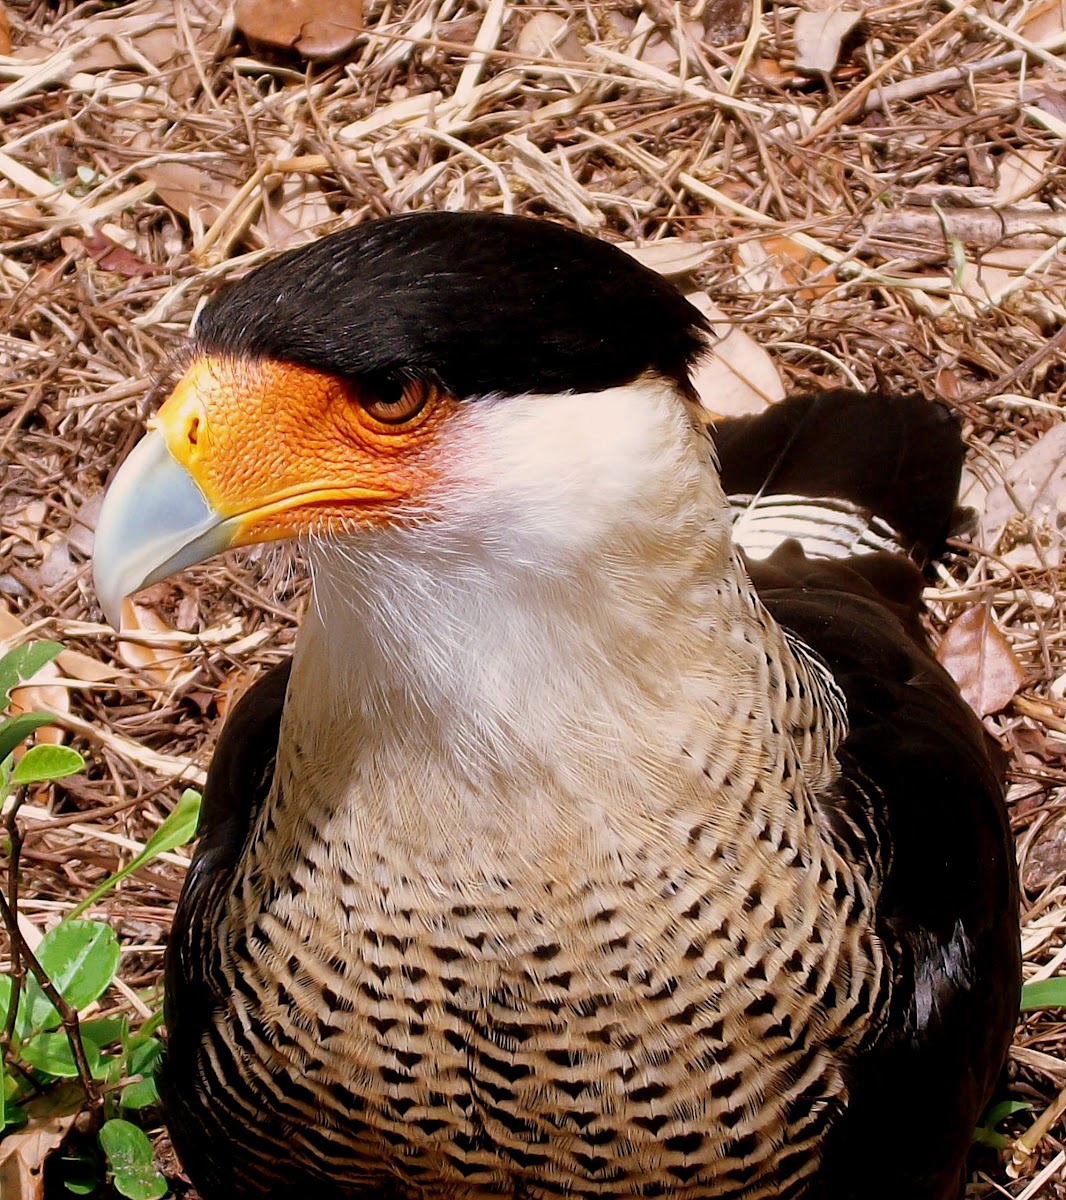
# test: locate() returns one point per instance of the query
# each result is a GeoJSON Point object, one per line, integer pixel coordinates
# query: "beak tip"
{"type": "Point", "coordinates": [109, 597]}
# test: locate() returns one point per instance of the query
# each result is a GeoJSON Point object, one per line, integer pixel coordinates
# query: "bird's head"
{"type": "Point", "coordinates": [396, 372]}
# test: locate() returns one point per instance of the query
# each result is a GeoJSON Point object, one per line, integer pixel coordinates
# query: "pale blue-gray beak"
{"type": "Point", "coordinates": [154, 521]}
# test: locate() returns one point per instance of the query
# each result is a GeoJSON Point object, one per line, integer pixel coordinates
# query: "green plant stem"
{"type": "Point", "coordinates": [71, 1024]}
{"type": "Point", "coordinates": [18, 966]}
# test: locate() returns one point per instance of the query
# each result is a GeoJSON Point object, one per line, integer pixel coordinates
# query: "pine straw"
{"type": "Point", "coordinates": [823, 204]}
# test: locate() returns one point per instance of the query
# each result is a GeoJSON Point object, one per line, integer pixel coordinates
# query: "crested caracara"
{"type": "Point", "coordinates": [575, 853]}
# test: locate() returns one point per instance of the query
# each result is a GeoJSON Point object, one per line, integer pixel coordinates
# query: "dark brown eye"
{"type": "Point", "coordinates": [393, 403]}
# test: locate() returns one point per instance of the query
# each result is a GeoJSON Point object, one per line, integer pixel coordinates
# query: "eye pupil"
{"type": "Point", "coordinates": [393, 402]}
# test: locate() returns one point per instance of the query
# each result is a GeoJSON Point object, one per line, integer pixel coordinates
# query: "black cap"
{"type": "Point", "coordinates": [479, 303]}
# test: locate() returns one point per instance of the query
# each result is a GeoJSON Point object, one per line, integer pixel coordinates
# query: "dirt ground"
{"type": "Point", "coordinates": [868, 194]}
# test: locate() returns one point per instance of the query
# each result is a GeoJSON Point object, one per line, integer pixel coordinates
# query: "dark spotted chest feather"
{"type": "Point", "coordinates": [664, 1028]}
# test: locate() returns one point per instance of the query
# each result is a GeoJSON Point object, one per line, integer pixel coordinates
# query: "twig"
{"type": "Point", "coordinates": [935, 81]}
{"type": "Point", "coordinates": [972, 13]}
{"type": "Point", "coordinates": [980, 227]}
{"type": "Point", "coordinates": [487, 37]}
{"type": "Point", "coordinates": [748, 50]}
{"type": "Point", "coordinates": [18, 965]}
{"type": "Point", "coordinates": [1044, 350]}
{"type": "Point", "coordinates": [172, 766]}
{"type": "Point", "coordinates": [852, 103]}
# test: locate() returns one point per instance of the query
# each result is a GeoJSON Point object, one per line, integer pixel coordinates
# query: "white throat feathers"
{"type": "Point", "coordinates": [559, 649]}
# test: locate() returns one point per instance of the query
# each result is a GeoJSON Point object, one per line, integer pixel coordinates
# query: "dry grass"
{"type": "Point", "coordinates": [899, 223]}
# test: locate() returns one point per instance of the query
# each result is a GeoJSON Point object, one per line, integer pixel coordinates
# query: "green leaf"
{"type": "Point", "coordinates": [23, 663]}
{"type": "Point", "coordinates": [151, 1024]}
{"type": "Point", "coordinates": [145, 1058]}
{"type": "Point", "coordinates": [990, 1138]}
{"type": "Point", "coordinates": [176, 830]}
{"type": "Point", "coordinates": [1045, 993]}
{"type": "Point", "coordinates": [40, 764]}
{"type": "Point", "coordinates": [141, 1094]}
{"type": "Point", "coordinates": [17, 729]}
{"type": "Point", "coordinates": [958, 250]}
{"type": "Point", "coordinates": [105, 1031]}
{"type": "Point", "coordinates": [80, 1174]}
{"type": "Point", "coordinates": [129, 1155]}
{"type": "Point", "coordinates": [10, 1087]}
{"type": "Point", "coordinates": [84, 1184]}
{"type": "Point", "coordinates": [986, 1134]}
{"type": "Point", "coordinates": [5, 999]}
{"type": "Point", "coordinates": [16, 1117]}
{"type": "Point", "coordinates": [51, 1053]}
{"type": "Point", "coordinates": [80, 958]}
{"type": "Point", "coordinates": [1003, 1110]}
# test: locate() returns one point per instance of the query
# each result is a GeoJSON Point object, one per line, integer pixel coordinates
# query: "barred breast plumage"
{"type": "Point", "coordinates": [573, 854]}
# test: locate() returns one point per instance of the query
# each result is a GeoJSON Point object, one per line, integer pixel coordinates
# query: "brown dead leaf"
{"type": "Point", "coordinates": [670, 257]}
{"type": "Point", "coordinates": [71, 662]}
{"type": "Point", "coordinates": [738, 377]}
{"type": "Point", "coordinates": [1051, 100]}
{"type": "Point", "coordinates": [23, 1153]}
{"type": "Point", "coordinates": [1024, 515]}
{"type": "Point", "coordinates": [548, 35]}
{"type": "Point", "coordinates": [1045, 22]}
{"type": "Point", "coordinates": [26, 523]}
{"type": "Point", "coordinates": [948, 386]}
{"type": "Point", "coordinates": [5, 31]}
{"type": "Point", "coordinates": [185, 189]}
{"type": "Point", "coordinates": [150, 39]}
{"type": "Point", "coordinates": [313, 28]}
{"type": "Point", "coordinates": [110, 256]}
{"type": "Point", "coordinates": [1045, 861]}
{"type": "Point", "coordinates": [818, 37]}
{"type": "Point", "coordinates": [37, 694]}
{"type": "Point", "coordinates": [979, 658]}
{"type": "Point", "coordinates": [163, 666]}
{"type": "Point", "coordinates": [798, 266]}
{"type": "Point", "coordinates": [43, 695]}
{"type": "Point", "coordinates": [88, 670]}
{"type": "Point", "coordinates": [1021, 174]}
{"type": "Point", "coordinates": [295, 211]}
{"type": "Point", "coordinates": [771, 71]}
{"type": "Point", "coordinates": [112, 42]}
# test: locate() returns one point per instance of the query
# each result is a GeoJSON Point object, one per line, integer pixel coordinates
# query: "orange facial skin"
{"type": "Point", "coordinates": [290, 450]}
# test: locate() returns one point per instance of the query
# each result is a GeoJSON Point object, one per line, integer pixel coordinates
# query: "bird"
{"type": "Point", "coordinates": [604, 836]}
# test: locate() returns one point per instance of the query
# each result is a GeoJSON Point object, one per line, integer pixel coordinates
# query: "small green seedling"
{"type": "Point", "coordinates": [986, 1133]}
{"type": "Point", "coordinates": [77, 962]}
{"type": "Point", "coordinates": [129, 1155]}
{"type": "Point", "coordinates": [1044, 993]}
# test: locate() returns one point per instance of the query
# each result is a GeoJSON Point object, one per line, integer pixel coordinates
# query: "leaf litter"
{"type": "Point", "coordinates": [891, 214]}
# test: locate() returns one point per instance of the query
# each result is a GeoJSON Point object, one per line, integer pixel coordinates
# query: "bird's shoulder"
{"type": "Point", "coordinates": [240, 774]}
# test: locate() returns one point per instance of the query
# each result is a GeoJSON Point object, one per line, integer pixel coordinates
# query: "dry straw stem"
{"type": "Point", "coordinates": [899, 223]}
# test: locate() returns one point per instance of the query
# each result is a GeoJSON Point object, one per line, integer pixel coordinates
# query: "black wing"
{"type": "Point", "coordinates": [916, 770]}
{"type": "Point", "coordinates": [894, 457]}
{"type": "Point", "coordinates": [919, 774]}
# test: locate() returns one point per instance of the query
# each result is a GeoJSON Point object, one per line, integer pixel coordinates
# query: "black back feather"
{"type": "Point", "coordinates": [897, 457]}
